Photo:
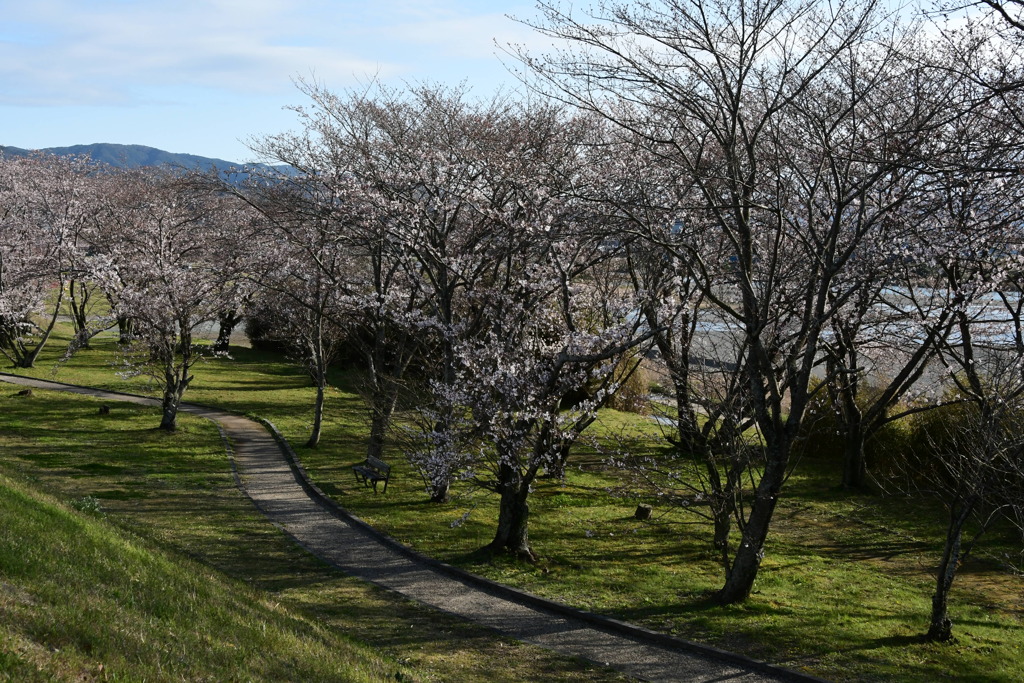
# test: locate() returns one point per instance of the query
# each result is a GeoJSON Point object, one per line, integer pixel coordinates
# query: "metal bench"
{"type": "Point", "coordinates": [371, 471]}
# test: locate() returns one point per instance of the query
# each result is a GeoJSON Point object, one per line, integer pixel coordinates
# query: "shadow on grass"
{"type": "Point", "coordinates": [743, 628]}
{"type": "Point", "coordinates": [189, 505]}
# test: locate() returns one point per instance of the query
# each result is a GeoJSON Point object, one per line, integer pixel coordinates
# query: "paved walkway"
{"type": "Point", "coordinates": [282, 492]}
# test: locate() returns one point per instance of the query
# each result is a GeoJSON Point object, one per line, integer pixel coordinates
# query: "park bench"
{"type": "Point", "coordinates": [372, 470]}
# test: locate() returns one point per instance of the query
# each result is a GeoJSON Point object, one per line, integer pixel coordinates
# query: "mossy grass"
{"type": "Point", "coordinates": [844, 590]}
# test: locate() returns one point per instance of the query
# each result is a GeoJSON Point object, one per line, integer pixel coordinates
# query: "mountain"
{"type": "Point", "coordinates": [135, 156]}
{"type": "Point", "coordinates": [129, 156]}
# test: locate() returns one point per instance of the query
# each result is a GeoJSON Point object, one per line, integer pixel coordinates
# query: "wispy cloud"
{"type": "Point", "coordinates": [197, 75]}
{"type": "Point", "coordinates": [68, 52]}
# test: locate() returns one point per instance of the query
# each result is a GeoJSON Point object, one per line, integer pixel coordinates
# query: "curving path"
{"type": "Point", "coordinates": [278, 486]}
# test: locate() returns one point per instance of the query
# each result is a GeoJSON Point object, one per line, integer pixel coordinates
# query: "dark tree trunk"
{"type": "Point", "coordinates": [723, 504]}
{"type": "Point", "coordinates": [29, 358]}
{"type": "Point", "coordinates": [512, 534]}
{"type": "Point", "coordinates": [227, 321]}
{"type": "Point", "coordinates": [439, 482]}
{"type": "Point", "coordinates": [440, 491]}
{"type": "Point", "coordinates": [723, 528]}
{"type": "Point", "coordinates": [125, 330]}
{"type": "Point", "coordinates": [380, 420]}
{"type": "Point", "coordinates": [855, 469]}
{"type": "Point", "coordinates": [687, 429]}
{"type": "Point", "coordinates": [174, 388]}
{"type": "Point", "coordinates": [378, 427]}
{"type": "Point", "coordinates": [169, 415]}
{"type": "Point", "coordinates": [940, 627]}
{"type": "Point", "coordinates": [741, 575]}
{"type": "Point", "coordinates": [558, 464]}
{"type": "Point", "coordinates": [176, 378]}
{"type": "Point", "coordinates": [78, 303]}
{"type": "Point", "coordinates": [320, 380]}
{"type": "Point", "coordinates": [318, 418]}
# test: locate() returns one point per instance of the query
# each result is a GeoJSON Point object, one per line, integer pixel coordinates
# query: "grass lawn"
{"type": "Point", "coordinates": [844, 590]}
{"type": "Point", "coordinates": [143, 561]}
{"type": "Point", "coordinates": [81, 599]}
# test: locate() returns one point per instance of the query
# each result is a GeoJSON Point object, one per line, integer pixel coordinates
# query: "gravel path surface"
{"type": "Point", "coordinates": [280, 489]}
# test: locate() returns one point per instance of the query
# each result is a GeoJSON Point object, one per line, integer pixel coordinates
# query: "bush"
{"type": "Point", "coordinates": [947, 429]}
{"type": "Point", "coordinates": [632, 395]}
{"type": "Point", "coordinates": [821, 434]}
{"type": "Point", "coordinates": [260, 330]}
{"type": "Point", "coordinates": [89, 505]}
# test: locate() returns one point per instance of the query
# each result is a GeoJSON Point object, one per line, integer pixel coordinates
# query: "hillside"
{"type": "Point", "coordinates": [82, 600]}
{"type": "Point", "coordinates": [130, 156]}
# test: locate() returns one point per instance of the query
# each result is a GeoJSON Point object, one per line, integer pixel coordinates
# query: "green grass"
{"type": "Point", "coordinates": [844, 590]}
{"type": "Point", "coordinates": [80, 600]}
{"type": "Point", "coordinates": [169, 573]}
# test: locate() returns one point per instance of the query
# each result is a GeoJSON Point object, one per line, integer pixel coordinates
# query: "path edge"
{"type": "Point", "coordinates": [518, 595]}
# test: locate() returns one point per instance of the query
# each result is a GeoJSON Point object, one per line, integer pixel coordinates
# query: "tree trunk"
{"type": "Point", "coordinates": [318, 372]}
{"type": "Point", "coordinates": [440, 490]}
{"type": "Point", "coordinates": [380, 420]}
{"type": "Point", "coordinates": [855, 470]}
{"type": "Point", "coordinates": [29, 359]}
{"type": "Point", "coordinates": [125, 330]}
{"type": "Point", "coordinates": [174, 388]}
{"type": "Point", "coordinates": [557, 468]}
{"type": "Point", "coordinates": [78, 303]}
{"type": "Point", "coordinates": [169, 416]}
{"type": "Point", "coordinates": [722, 505]}
{"type": "Point", "coordinates": [176, 377]}
{"type": "Point", "coordinates": [722, 515]}
{"type": "Point", "coordinates": [940, 627]}
{"type": "Point", "coordinates": [687, 429]}
{"type": "Point", "coordinates": [320, 380]}
{"type": "Point", "coordinates": [227, 320]}
{"type": "Point", "coordinates": [741, 575]}
{"type": "Point", "coordinates": [512, 534]}
{"type": "Point", "coordinates": [439, 481]}
{"type": "Point", "coordinates": [318, 417]}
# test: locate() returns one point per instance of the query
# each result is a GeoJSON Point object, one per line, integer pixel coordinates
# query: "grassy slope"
{"type": "Point", "coordinates": [182, 579]}
{"type": "Point", "coordinates": [843, 592]}
{"type": "Point", "coordinates": [82, 599]}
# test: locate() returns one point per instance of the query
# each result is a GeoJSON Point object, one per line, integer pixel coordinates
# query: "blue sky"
{"type": "Point", "coordinates": [202, 76]}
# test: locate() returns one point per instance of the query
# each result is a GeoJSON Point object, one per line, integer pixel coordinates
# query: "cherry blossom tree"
{"type": "Point", "coordinates": [307, 262]}
{"type": "Point", "coordinates": [448, 176]}
{"type": "Point", "coordinates": [164, 270]}
{"type": "Point", "coordinates": [738, 99]}
{"type": "Point", "coordinates": [976, 472]}
{"type": "Point", "coordinates": [48, 203]}
{"type": "Point", "coordinates": [21, 293]}
{"type": "Point", "coordinates": [519, 380]}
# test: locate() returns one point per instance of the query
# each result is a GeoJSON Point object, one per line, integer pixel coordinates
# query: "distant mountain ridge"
{"type": "Point", "coordinates": [130, 156]}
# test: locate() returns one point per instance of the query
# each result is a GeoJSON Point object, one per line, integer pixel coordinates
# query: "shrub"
{"type": "Point", "coordinates": [260, 329]}
{"type": "Point", "coordinates": [934, 435]}
{"type": "Point", "coordinates": [821, 434]}
{"type": "Point", "coordinates": [89, 505]}
{"type": "Point", "coordinates": [632, 395]}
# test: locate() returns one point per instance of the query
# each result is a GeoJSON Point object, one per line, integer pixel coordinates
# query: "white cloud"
{"type": "Point", "coordinates": [473, 37]}
{"type": "Point", "coordinates": [105, 52]}
{"type": "Point", "coordinates": [198, 75]}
